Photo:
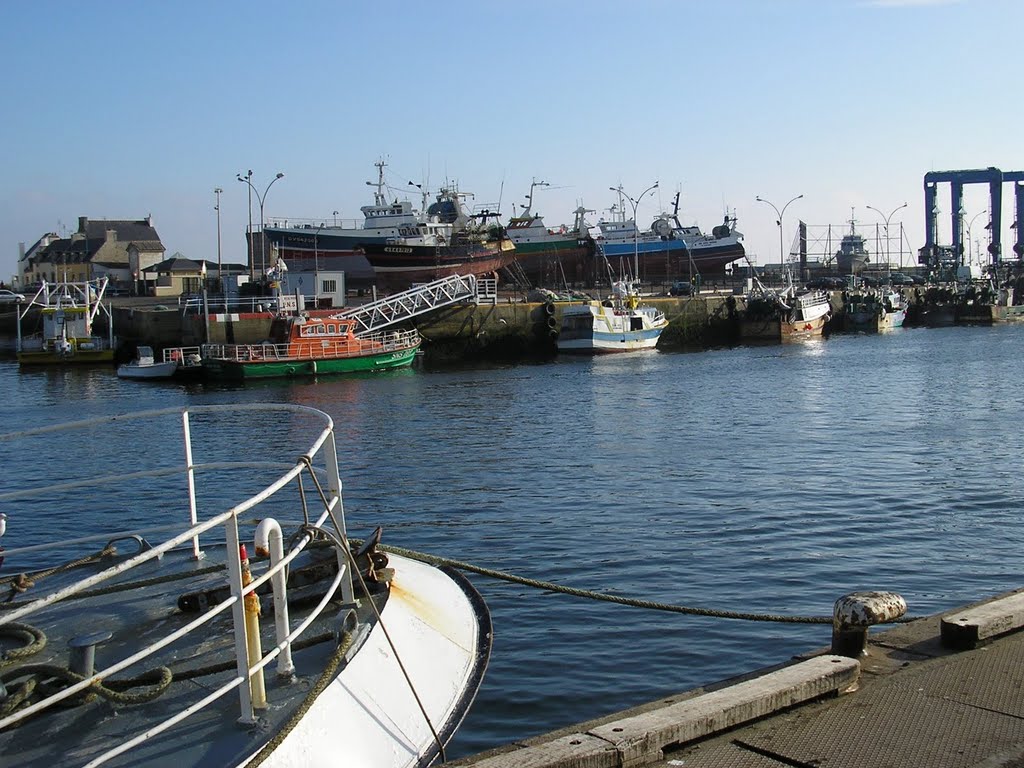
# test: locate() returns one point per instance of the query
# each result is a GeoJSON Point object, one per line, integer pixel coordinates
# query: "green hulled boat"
{"type": "Point", "coordinates": [304, 346]}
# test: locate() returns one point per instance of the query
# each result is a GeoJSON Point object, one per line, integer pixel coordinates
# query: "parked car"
{"type": "Point", "coordinates": [870, 282]}
{"type": "Point", "coordinates": [10, 297]}
{"type": "Point", "coordinates": [682, 288]}
{"type": "Point", "coordinates": [898, 278]}
{"type": "Point", "coordinates": [827, 283]}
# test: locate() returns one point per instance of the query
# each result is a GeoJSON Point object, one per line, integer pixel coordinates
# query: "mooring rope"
{"type": "Point", "coordinates": [606, 597]}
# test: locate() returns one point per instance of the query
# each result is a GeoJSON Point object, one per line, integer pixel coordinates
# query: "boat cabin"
{"type": "Point", "coordinates": [307, 336]}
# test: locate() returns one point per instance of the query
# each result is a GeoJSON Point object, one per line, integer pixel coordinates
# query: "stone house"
{"type": "Point", "coordinates": [98, 248]}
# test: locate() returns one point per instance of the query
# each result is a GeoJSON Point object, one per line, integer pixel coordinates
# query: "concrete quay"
{"type": "Point", "coordinates": [944, 691]}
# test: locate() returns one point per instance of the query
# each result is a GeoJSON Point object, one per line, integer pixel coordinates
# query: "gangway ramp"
{"type": "Point", "coordinates": [416, 301]}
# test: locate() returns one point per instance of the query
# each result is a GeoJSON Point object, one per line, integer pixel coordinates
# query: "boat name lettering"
{"type": "Point", "coordinates": [396, 249]}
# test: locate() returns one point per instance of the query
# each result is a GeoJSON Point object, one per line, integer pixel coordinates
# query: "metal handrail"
{"type": "Point", "coordinates": [323, 445]}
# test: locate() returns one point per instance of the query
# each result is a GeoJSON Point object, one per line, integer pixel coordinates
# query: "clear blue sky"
{"type": "Point", "coordinates": [123, 109]}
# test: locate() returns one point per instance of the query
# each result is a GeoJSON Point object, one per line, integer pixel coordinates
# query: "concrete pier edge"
{"type": "Point", "coordinates": [641, 735]}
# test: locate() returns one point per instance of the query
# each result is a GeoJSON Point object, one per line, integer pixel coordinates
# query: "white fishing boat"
{"type": "Point", "coordinates": [619, 324]}
{"type": "Point", "coordinates": [145, 366]}
{"type": "Point", "coordinates": [151, 650]}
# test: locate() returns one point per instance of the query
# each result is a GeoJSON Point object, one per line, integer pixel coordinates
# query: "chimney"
{"type": "Point", "coordinates": [111, 235]}
{"type": "Point", "coordinates": [21, 251]}
{"type": "Point", "coordinates": [149, 219]}
{"type": "Point", "coordinates": [83, 222]}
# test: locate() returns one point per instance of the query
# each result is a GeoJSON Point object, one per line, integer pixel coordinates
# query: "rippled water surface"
{"type": "Point", "coordinates": [758, 479]}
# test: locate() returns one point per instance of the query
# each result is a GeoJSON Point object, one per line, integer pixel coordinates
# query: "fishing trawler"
{"type": "Point", "coordinates": [66, 315]}
{"type": "Point", "coordinates": [667, 250]}
{"type": "Point", "coordinates": [618, 324]}
{"type": "Point", "coordinates": [874, 310]}
{"type": "Point", "coordinates": [785, 314]}
{"type": "Point", "coordinates": [328, 245]}
{"type": "Point", "coordinates": [552, 256]}
{"type": "Point", "coordinates": [852, 255]}
{"type": "Point", "coordinates": [449, 241]}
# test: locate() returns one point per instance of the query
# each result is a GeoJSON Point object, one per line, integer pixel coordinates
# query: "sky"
{"type": "Point", "coordinates": [120, 110]}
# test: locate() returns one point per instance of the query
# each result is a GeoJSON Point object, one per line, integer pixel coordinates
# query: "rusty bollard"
{"type": "Point", "coordinates": [857, 611]}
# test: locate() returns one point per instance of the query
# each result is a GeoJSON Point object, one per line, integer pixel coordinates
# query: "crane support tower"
{"type": "Point", "coordinates": [945, 258]}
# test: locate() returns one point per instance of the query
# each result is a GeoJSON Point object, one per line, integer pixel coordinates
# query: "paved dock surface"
{"type": "Point", "coordinates": [915, 703]}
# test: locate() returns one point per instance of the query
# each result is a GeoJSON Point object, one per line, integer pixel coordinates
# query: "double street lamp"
{"type": "Point", "coordinates": [888, 260]}
{"type": "Point", "coordinates": [987, 226]}
{"type": "Point", "coordinates": [780, 214]}
{"type": "Point", "coordinates": [636, 231]}
{"type": "Point", "coordinates": [262, 200]}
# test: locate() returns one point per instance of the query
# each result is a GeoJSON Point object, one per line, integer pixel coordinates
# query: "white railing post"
{"type": "Point", "coordinates": [234, 568]}
{"type": "Point", "coordinates": [197, 553]}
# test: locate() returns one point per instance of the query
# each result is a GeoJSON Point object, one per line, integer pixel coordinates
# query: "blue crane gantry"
{"type": "Point", "coordinates": [936, 256]}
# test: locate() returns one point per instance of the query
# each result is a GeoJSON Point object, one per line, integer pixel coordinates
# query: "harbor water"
{"type": "Point", "coordinates": [766, 479]}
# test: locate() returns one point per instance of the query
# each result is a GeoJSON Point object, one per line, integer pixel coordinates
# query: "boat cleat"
{"type": "Point", "coordinates": [371, 562]}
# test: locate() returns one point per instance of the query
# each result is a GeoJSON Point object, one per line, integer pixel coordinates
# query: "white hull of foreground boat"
{"type": "Point", "coordinates": [370, 707]}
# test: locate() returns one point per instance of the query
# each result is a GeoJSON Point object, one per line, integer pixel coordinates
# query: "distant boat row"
{"type": "Point", "coordinates": [397, 245]}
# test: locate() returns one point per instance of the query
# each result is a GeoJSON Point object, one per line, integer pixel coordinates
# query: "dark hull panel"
{"type": "Point", "coordinates": [398, 266]}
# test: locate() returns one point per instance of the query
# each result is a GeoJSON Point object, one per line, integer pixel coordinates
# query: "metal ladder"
{"type": "Point", "coordinates": [416, 301]}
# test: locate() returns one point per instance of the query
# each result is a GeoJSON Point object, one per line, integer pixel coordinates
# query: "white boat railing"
{"type": "Point", "coordinates": [327, 349]}
{"type": "Point", "coordinates": [319, 458]}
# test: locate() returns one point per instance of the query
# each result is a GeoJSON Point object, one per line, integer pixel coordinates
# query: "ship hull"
{"type": "Point", "coordinates": [557, 261]}
{"type": "Point", "coordinates": [240, 370]}
{"type": "Point", "coordinates": [397, 266]}
{"type": "Point", "coordinates": [670, 260]}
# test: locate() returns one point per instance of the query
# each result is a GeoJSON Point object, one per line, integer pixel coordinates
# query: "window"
{"type": "Point", "coordinates": [328, 286]}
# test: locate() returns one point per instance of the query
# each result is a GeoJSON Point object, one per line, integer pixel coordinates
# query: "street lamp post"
{"type": "Point", "coordinates": [252, 256]}
{"type": "Point", "coordinates": [220, 268]}
{"type": "Point", "coordinates": [780, 214]}
{"type": "Point", "coordinates": [262, 199]}
{"type": "Point", "coordinates": [316, 267]}
{"type": "Point", "coordinates": [970, 257]}
{"type": "Point", "coordinates": [636, 231]}
{"type": "Point", "coordinates": [888, 261]}
{"type": "Point", "coordinates": [336, 218]}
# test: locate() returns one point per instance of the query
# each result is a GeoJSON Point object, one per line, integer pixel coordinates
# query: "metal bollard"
{"type": "Point", "coordinates": [83, 652]}
{"type": "Point", "coordinates": [855, 613]}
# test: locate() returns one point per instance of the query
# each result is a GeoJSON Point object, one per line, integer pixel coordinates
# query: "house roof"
{"type": "Point", "coordinates": [147, 246]}
{"type": "Point", "coordinates": [175, 264]}
{"type": "Point", "coordinates": [127, 230]}
{"type": "Point", "coordinates": [68, 251]}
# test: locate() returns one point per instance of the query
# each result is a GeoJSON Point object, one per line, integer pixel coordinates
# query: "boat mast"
{"type": "Point", "coordinates": [529, 198]}
{"type": "Point", "coordinates": [379, 198]}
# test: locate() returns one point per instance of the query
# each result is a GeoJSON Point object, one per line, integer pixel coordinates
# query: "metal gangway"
{"type": "Point", "coordinates": [418, 301]}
